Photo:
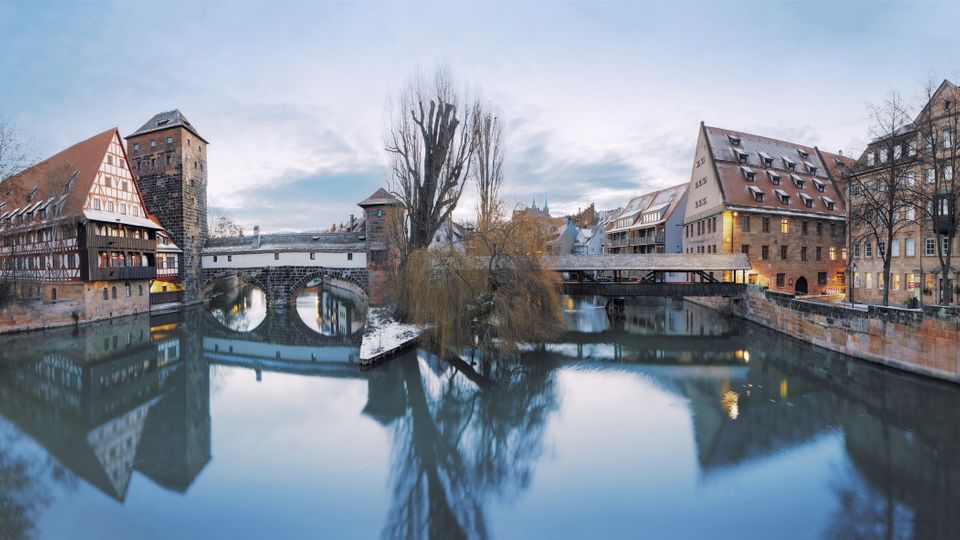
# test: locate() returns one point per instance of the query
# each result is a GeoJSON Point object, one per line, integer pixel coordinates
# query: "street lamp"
{"type": "Point", "coordinates": [733, 228]}
{"type": "Point", "coordinates": [851, 279]}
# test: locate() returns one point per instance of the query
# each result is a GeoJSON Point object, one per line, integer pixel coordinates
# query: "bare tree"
{"type": "Point", "coordinates": [488, 171]}
{"type": "Point", "coordinates": [936, 197]}
{"type": "Point", "coordinates": [13, 157]}
{"type": "Point", "coordinates": [430, 142]}
{"type": "Point", "coordinates": [881, 189]}
{"type": "Point", "coordinates": [225, 227]}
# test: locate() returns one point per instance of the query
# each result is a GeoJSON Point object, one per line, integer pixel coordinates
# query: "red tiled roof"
{"type": "Point", "coordinates": [736, 186]}
{"type": "Point", "coordinates": [70, 172]}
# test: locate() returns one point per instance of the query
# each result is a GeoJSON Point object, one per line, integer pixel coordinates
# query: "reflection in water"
{"type": "Point", "coordinates": [238, 305]}
{"type": "Point", "coordinates": [473, 449]}
{"type": "Point", "coordinates": [332, 311]}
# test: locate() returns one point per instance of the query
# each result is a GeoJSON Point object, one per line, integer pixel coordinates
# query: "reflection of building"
{"type": "Point", "coordinates": [115, 399]}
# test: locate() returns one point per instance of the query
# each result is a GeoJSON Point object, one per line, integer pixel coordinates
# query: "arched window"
{"type": "Point", "coordinates": [126, 289]}
{"type": "Point", "coordinates": [106, 294]}
{"type": "Point", "coordinates": [53, 293]}
{"type": "Point", "coordinates": [140, 290]}
{"type": "Point", "coordinates": [113, 292]}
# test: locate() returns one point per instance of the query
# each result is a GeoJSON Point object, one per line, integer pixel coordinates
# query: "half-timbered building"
{"type": "Point", "coordinates": [74, 231]}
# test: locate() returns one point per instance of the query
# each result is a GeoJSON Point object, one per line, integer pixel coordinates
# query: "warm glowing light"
{"type": "Point", "coordinates": [731, 402]}
{"type": "Point", "coordinates": [784, 389]}
{"type": "Point", "coordinates": [569, 303]}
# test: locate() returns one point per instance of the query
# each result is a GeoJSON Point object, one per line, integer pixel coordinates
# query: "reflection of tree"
{"type": "Point", "coordinates": [458, 445]}
{"type": "Point", "coordinates": [238, 308]}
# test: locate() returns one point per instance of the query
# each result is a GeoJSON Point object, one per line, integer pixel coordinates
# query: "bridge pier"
{"type": "Point", "coordinates": [280, 283]}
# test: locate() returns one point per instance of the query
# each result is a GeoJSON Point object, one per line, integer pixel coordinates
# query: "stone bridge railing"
{"type": "Point", "coordinates": [281, 283]}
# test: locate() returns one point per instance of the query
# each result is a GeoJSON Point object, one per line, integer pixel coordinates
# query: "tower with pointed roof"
{"type": "Point", "coordinates": [382, 214]}
{"type": "Point", "coordinates": [169, 159]}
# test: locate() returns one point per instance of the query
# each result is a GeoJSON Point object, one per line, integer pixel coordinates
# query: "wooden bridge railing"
{"type": "Point", "coordinates": [617, 289]}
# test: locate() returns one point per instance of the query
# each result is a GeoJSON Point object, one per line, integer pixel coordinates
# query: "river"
{"type": "Point", "coordinates": [667, 420]}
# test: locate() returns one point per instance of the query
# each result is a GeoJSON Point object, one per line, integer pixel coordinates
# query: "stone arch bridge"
{"type": "Point", "coordinates": [282, 264]}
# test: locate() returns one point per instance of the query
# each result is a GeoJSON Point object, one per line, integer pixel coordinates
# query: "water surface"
{"type": "Point", "coordinates": [666, 421]}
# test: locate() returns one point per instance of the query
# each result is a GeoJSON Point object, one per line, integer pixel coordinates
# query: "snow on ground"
{"type": "Point", "coordinates": [383, 335]}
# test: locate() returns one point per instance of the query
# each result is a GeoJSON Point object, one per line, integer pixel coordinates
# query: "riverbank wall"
{"type": "Point", "coordinates": [924, 341]}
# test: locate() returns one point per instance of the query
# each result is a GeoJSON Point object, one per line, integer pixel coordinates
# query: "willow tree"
{"type": "Point", "coordinates": [430, 142]}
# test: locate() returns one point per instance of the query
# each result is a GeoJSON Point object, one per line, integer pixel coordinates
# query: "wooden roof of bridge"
{"type": "Point", "coordinates": [660, 262]}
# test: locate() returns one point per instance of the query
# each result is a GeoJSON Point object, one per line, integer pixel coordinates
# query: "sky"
{"type": "Point", "coordinates": [601, 101]}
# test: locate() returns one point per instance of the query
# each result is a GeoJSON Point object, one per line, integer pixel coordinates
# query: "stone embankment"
{"type": "Point", "coordinates": [924, 341]}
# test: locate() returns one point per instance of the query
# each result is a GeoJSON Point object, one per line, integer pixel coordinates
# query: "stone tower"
{"type": "Point", "coordinates": [382, 214]}
{"type": "Point", "coordinates": [169, 160]}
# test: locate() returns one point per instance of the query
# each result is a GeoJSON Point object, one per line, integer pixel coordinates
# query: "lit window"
{"type": "Point", "coordinates": [785, 225]}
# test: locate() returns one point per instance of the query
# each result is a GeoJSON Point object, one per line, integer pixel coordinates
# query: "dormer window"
{"type": "Point", "coordinates": [734, 140]}
{"type": "Point", "coordinates": [774, 178]}
{"type": "Point", "coordinates": [748, 173]}
{"type": "Point", "coordinates": [789, 164]}
{"type": "Point", "coordinates": [741, 155]}
{"type": "Point", "coordinates": [828, 202]}
{"type": "Point", "coordinates": [811, 168]}
{"type": "Point", "coordinates": [821, 187]}
{"type": "Point", "coordinates": [871, 159]}
{"type": "Point", "coordinates": [797, 181]}
{"type": "Point", "coordinates": [782, 196]}
{"type": "Point", "coordinates": [807, 200]}
{"type": "Point", "coordinates": [802, 153]}
{"type": "Point", "coordinates": [765, 159]}
{"type": "Point", "coordinates": [757, 193]}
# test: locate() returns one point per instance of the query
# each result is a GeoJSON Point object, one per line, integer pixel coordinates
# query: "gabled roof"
{"type": "Point", "coordinates": [380, 197]}
{"type": "Point", "coordinates": [736, 188]}
{"type": "Point", "coordinates": [667, 199]}
{"type": "Point", "coordinates": [68, 173]}
{"type": "Point", "coordinates": [166, 120]}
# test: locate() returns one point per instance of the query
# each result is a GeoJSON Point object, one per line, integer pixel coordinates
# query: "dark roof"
{"type": "Point", "coordinates": [380, 197]}
{"type": "Point", "coordinates": [166, 120]}
{"type": "Point", "coordinates": [330, 242]}
{"type": "Point", "coordinates": [65, 177]}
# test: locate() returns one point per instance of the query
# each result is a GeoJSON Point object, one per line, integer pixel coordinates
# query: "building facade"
{"type": "Point", "coordinates": [649, 223]}
{"type": "Point", "coordinates": [169, 159]}
{"type": "Point", "coordinates": [776, 201]}
{"type": "Point", "coordinates": [74, 231]}
{"type": "Point", "coordinates": [920, 158]}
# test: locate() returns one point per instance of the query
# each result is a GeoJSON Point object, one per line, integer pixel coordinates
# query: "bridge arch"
{"type": "Point", "coordinates": [331, 276]}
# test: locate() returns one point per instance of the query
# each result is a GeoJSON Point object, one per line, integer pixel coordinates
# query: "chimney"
{"type": "Point", "coordinates": [256, 237]}
{"type": "Point", "coordinates": [352, 219]}
{"type": "Point", "coordinates": [840, 152]}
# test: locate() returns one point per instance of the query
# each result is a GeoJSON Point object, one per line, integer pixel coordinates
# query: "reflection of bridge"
{"type": "Point", "coordinates": [339, 361]}
{"type": "Point", "coordinates": [652, 270]}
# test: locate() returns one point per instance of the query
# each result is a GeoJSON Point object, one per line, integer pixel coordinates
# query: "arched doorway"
{"type": "Point", "coordinates": [801, 286]}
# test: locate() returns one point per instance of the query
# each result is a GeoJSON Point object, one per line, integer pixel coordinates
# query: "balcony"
{"type": "Point", "coordinates": [123, 273]}
{"type": "Point", "coordinates": [121, 243]}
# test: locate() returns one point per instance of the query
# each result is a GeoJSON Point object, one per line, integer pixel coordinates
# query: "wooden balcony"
{"type": "Point", "coordinates": [118, 243]}
{"type": "Point", "coordinates": [123, 273]}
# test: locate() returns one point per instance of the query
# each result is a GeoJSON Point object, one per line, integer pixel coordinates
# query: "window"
{"type": "Point", "coordinates": [765, 253]}
{"type": "Point", "coordinates": [349, 256]}
{"type": "Point", "coordinates": [819, 253]}
{"type": "Point", "coordinates": [869, 280]}
{"type": "Point", "coordinates": [229, 258]}
{"type": "Point", "coordinates": [909, 250]}
{"type": "Point", "coordinates": [153, 144]}
{"type": "Point", "coordinates": [803, 253]}
{"type": "Point", "coordinates": [895, 247]}
{"type": "Point", "coordinates": [313, 256]}
{"type": "Point", "coordinates": [785, 225]}
{"type": "Point", "coordinates": [807, 200]}
{"type": "Point", "coordinates": [804, 228]}
{"type": "Point", "coordinates": [797, 181]}
{"type": "Point", "coordinates": [911, 281]}
{"type": "Point", "coordinates": [856, 250]}
{"type": "Point", "coordinates": [757, 194]}
{"type": "Point", "coordinates": [929, 247]}
{"type": "Point", "coordinates": [947, 138]}
{"type": "Point", "coordinates": [781, 279]}
{"type": "Point", "coordinates": [929, 176]}
{"type": "Point", "coordinates": [96, 204]}
{"type": "Point", "coordinates": [880, 280]}
{"type": "Point", "coordinates": [832, 253]}
{"type": "Point", "coordinates": [944, 245]}
{"type": "Point", "coordinates": [110, 207]}
{"type": "Point", "coordinates": [843, 253]}
{"type": "Point", "coordinates": [783, 253]}
{"type": "Point", "coordinates": [169, 140]}
{"type": "Point", "coordinates": [379, 213]}
{"type": "Point", "coordinates": [774, 178]}
{"type": "Point", "coordinates": [789, 163]}
{"type": "Point", "coordinates": [765, 159]}
{"type": "Point", "coordinates": [276, 256]}
{"type": "Point", "coordinates": [106, 294]}
{"type": "Point", "coordinates": [765, 224]}
{"type": "Point", "coordinates": [748, 173]}
{"type": "Point", "coordinates": [871, 159]}
{"type": "Point", "coordinates": [140, 290]}
{"type": "Point", "coordinates": [136, 147]}
{"type": "Point", "coordinates": [819, 229]}
{"type": "Point", "coordinates": [214, 258]}
{"type": "Point", "coordinates": [821, 187]}
{"type": "Point", "coordinates": [912, 148]}
{"type": "Point", "coordinates": [734, 140]}
{"type": "Point", "coordinates": [868, 249]}
{"type": "Point", "coordinates": [802, 153]}
{"type": "Point", "coordinates": [897, 152]}
{"type": "Point", "coordinates": [948, 172]}
{"type": "Point", "coordinates": [113, 292]}
{"type": "Point", "coordinates": [895, 282]}
{"type": "Point", "coordinates": [822, 279]}
{"type": "Point", "coordinates": [883, 155]}
{"type": "Point", "coordinates": [126, 289]}
{"type": "Point", "coordinates": [53, 293]}
{"type": "Point", "coordinates": [107, 181]}
{"type": "Point", "coordinates": [910, 178]}
{"type": "Point", "coordinates": [782, 196]}
{"type": "Point", "coordinates": [881, 249]}
{"type": "Point", "coordinates": [745, 249]}
{"type": "Point", "coordinates": [744, 223]}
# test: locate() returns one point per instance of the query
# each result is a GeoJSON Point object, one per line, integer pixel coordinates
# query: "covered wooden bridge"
{"type": "Point", "coordinates": [652, 274]}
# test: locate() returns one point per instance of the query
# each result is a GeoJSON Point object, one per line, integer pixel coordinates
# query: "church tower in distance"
{"type": "Point", "coordinates": [169, 160]}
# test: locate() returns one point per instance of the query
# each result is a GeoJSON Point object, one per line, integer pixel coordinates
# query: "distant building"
{"type": "Point", "coordinates": [776, 201]}
{"type": "Point", "coordinates": [533, 210]}
{"type": "Point", "coordinates": [75, 231]}
{"type": "Point", "coordinates": [450, 235]}
{"type": "Point", "coordinates": [649, 223]}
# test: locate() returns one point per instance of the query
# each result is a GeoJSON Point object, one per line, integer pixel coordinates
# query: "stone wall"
{"type": "Point", "coordinates": [280, 283]}
{"type": "Point", "coordinates": [83, 299]}
{"type": "Point", "coordinates": [924, 341]}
